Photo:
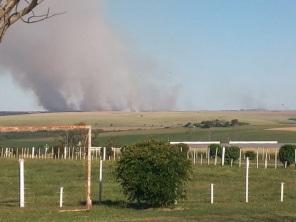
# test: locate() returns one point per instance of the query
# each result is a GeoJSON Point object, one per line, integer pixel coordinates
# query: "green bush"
{"type": "Point", "coordinates": [182, 147]}
{"type": "Point", "coordinates": [109, 152]}
{"type": "Point", "coordinates": [287, 154]}
{"type": "Point", "coordinates": [231, 153]}
{"type": "Point", "coordinates": [213, 148]}
{"type": "Point", "coordinates": [251, 155]}
{"type": "Point", "coordinates": [153, 173]}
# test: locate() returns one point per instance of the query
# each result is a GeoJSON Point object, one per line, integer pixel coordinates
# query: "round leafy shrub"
{"type": "Point", "coordinates": [213, 148]}
{"type": "Point", "coordinates": [153, 173]}
{"type": "Point", "coordinates": [251, 155]}
{"type": "Point", "coordinates": [231, 153]}
{"type": "Point", "coordinates": [287, 154]}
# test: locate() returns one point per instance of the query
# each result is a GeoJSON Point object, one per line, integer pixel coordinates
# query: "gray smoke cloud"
{"type": "Point", "coordinates": [77, 61]}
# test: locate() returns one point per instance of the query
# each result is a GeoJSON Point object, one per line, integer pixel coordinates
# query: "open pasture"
{"type": "Point", "coordinates": [134, 120]}
{"type": "Point", "coordinates": [128, 128]}
{"type": "Point", "coordinates": [120, 128]}
{"type": "Point", "coordinates": [43, 178]}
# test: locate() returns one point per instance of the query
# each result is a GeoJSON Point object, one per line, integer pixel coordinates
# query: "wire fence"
{"type": "Point", "coordinates": [44, 178]}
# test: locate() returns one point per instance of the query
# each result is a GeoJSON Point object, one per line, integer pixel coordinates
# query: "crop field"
{"type": "Point", "coordinates": [44, 177]}
{"type": "Point", "coordinates": [120, 128]}
{"type": "Point", "coordinates": [133, 120]}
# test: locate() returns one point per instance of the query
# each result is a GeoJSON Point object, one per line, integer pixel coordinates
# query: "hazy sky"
{"type": "Point", "coordinates": [220, 54]}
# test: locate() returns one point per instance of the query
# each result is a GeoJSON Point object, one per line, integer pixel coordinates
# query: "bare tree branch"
{"type": "Point", "coordinates": [13, 10]}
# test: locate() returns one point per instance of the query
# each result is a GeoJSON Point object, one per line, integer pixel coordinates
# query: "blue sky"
{"type": "Point", "coordinates": [221, 54]}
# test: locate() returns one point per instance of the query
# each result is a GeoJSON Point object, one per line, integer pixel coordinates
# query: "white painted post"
{"type": "Point", "coordinates": [257, 158]}
{"type": "Point", "coordinates": [33, 152]}
{"type": "Point", "coordinates": [231, 162]}
{"type": "Point", "coordinates": [240, 158]}
{"type": "Point", "coordinates": [275, 160]}
{"type": "Point", "coordinates": [247, 180]}
{"type": "Point", "coordinates": [101, 181]}
{"type": "Point", "coordinates": [295, 157]}
{"type": "Point", "coordinates": [265, 164]}
{"type": "Point", "coordinates": [208, 157]}
{"type": "Point", "coordinates": [22, 183]}
{"type": "Point", "coordinates": [282, 192]}
{"type": "Point", "coordinates": [194, 157]}
{"type": "Point", "coordinates": [39, 153]}
{"type": "Point", "coordinates": [286, 164]}
{"type": "Point", "coordinates": [61, 196]}
{"type": "Point", "coordinates": [104, 153]}
{"type": "Point", "coordinates": [65, 152]}
{"type": "Point", "coordinates": [212, 193]}
{"type": "Point", "coordinates": [216, 154]}
{"type": "Point", "coordinates": [201, 157]}
{"type": "Point", "coordinates": [223, 155]}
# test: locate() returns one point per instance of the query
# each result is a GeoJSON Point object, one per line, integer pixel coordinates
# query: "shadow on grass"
{"type": "Point", "coordinates": [119, 204]}
{"type": "Point", "coordinates": [9, 202]}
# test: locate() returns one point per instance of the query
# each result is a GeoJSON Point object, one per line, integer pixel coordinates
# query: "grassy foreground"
{"type": "Point", "coordinates": [44, 177]}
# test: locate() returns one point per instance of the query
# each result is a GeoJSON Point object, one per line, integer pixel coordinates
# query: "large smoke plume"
{"type": "Point", "coordinates": [77, 61]}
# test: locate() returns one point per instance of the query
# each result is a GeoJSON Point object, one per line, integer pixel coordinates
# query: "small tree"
{"type": "Point", "coordinates": [287, 154]}
{"type": "Point", "coordinates": [213, 148]}
{"type": "Point", "coordinates": [153, 173]}
{"type": "Point", "coordinates": [231, 153]}
{"type": "Point", "coordinates": [251, 155]}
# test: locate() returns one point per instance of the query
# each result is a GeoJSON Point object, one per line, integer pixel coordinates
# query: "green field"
{"type": "Point", "coordinates": [43, 179]}
{"type": "Point", "coordinates": [134, 120]}
{"type": "Point", "coordinates": [119, 128]}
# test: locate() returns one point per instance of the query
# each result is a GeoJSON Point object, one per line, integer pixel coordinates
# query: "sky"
{"type": "Point", "coordinates": [219, 54]}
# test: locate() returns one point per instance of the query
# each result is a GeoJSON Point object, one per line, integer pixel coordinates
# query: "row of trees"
{"type": "Point", "coordinates": [286, 153]}
{"type": "Point", "coordinates": [215, 123]}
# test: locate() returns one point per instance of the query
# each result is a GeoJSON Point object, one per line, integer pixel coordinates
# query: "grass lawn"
{"type": "Point", "coordinates": [44, 177]}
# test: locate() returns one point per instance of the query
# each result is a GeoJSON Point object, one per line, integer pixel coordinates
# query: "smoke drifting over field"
{"type": "Point", "coordinates": [78, 62]}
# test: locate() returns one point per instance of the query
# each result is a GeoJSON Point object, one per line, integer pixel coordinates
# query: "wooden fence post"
{"type": "Point", "coordinates": [247, 180]}
{"type": "Point", "coordinates": [282, 192]}
{"type": "Point", "coordinates": [212, 193]}
{"type": "Point", "coordinates": [223, 155]}
{"type": "Point", "coordinates": [22, 183]}
{"type": "Point", "coordinates": [61, 196]}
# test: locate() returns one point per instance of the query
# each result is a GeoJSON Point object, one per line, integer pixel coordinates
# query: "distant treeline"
{"type": "Point", "coordinates": [11, 113]}
{"type": "Point", "coordinates": [215, 123]}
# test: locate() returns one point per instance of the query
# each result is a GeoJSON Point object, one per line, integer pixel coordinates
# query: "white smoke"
{"type": "Point", "coordinates": [77, 61]}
